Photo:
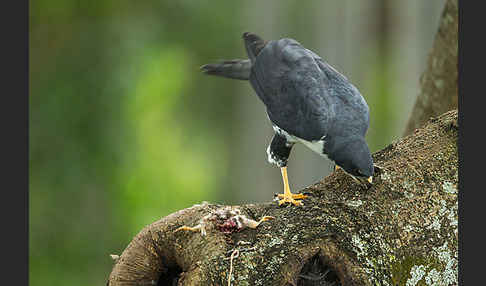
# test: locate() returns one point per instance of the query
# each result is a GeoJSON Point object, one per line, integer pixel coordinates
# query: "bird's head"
{"type": "Point", "coordinates": [355, 158]}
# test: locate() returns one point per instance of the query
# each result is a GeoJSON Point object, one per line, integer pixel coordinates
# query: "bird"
{"type": "Point", "coordinates": [307, 101]}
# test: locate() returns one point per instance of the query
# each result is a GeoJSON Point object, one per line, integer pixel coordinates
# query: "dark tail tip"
{"type": "Point", "coordinates": [205, 68]}
{"type": "Point", "coordinates": [210, 68]}
{"type": "Point", "coordinates": [248, 36]}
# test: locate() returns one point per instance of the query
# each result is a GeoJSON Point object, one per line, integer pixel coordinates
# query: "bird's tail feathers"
{"type": "Point", "coordinates": [235, 69]}
{"type": "Point", "coordinates": [253, 44]}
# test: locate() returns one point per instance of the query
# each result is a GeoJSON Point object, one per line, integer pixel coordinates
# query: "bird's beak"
{"type": "Point", "coordinates": [370, 180]}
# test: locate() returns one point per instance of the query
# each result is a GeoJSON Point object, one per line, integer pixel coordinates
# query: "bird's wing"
{"type": "Point", "coordinates": [289, 81]}
{"type": "Point", "coordinates": [353, 115]}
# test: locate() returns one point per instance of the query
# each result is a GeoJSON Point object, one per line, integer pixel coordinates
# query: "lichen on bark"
{"type": "Point", "coordinates": [400, 231]}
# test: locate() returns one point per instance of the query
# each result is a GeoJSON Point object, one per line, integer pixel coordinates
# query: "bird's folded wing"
{"type": "Point", "coordinates": [287, 78]}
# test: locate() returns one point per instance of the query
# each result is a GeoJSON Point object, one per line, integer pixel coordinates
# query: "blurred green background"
{"type": "Point", "coordinates": [124, 129]}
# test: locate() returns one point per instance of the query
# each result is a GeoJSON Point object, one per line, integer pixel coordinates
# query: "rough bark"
{"type": "Point", "coordinates": [400, 231]}
{"type": "Point", "coordinates": [438, 84]}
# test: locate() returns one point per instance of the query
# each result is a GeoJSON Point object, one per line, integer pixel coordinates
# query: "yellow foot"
{"type": "Point", "coordinates": [291, 198]}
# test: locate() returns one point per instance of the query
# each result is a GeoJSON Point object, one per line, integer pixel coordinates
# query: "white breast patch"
{"type": "Point", "coordinates": [316, 146]}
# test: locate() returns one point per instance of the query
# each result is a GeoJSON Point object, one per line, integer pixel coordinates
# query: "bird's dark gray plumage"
{"type": "Point", "coordinates": [235, 69]}
{"type": "Point", "coordinates": [307, 101]}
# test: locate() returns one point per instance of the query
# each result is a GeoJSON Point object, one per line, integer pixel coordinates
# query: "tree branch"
{"type": "Point", "coordinates": [400, 231]}
{"type": "Point", "coordinates": [403, 228]}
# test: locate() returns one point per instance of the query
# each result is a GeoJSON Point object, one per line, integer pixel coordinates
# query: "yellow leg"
{"type": "Point", "coordinates": [287, 196]}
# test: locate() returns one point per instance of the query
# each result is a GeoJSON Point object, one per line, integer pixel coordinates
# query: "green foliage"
{"type": "Point", "coordinates": [115, 143]}
{"type": "Point", "coordinates": [165, 170]}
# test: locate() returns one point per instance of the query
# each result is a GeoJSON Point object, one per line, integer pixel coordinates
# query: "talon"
{"type": "Point", "coordinates": [294, 196]}
{"type": "Point", "coordinates": [291, 199]}
{"type": "Point", "coordinates": [294, 202]}
{"type": "Point", "coordinates": [287, 196]}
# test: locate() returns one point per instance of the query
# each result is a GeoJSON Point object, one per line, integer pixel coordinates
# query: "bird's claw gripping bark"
{"type": "Point", "coordinates": [291, 198]}
{"type": "Point", "coordinates": [287, 196]}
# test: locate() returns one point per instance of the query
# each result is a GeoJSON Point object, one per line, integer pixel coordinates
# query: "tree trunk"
{"type": "Point", "coordinates": [400, 231]}
{"type": "Point", "coordinates": [438, 84]}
